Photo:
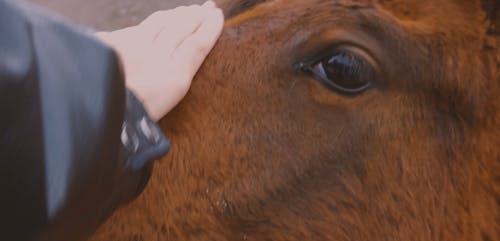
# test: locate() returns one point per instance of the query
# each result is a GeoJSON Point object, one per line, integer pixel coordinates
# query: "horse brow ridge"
{"type": "Point", "coordinates": [239, 7]}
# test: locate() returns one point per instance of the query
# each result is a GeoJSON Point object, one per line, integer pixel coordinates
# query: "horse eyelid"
{"type": "Point", "coordinates": [303, 67]}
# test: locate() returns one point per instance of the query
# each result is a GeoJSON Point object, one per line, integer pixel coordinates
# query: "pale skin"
{"type": "Point", "coordinates": [161, 55]}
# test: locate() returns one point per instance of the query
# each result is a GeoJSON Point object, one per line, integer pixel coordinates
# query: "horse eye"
{"type": "Point", "coordinates": [344, 72]}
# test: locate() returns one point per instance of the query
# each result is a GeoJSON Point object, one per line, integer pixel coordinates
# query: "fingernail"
{"type": "Point", "coordinates": [210, 4]}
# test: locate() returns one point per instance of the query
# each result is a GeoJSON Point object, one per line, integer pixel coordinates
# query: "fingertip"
{"type": "Point", "coordinates": [216, 20]}
{"type": "Point", "coordinates": [209, 4]}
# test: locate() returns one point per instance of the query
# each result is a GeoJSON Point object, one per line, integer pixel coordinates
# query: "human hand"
{"type": "Point", "coordinates": [161, 55]}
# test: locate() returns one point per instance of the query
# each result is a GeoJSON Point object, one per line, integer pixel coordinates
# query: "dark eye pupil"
{"type": "Point", "coordinates": [344, 72]}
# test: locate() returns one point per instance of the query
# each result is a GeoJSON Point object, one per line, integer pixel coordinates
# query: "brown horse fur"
{"type": "Point", "coordinates": [263, 151]}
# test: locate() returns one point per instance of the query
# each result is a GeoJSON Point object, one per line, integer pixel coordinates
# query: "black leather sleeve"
{"type": "Point", "coordinates": [74, 144]}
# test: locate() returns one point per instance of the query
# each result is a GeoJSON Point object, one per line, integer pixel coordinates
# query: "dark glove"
{"type": "Point", "coordinates": [63, 111]}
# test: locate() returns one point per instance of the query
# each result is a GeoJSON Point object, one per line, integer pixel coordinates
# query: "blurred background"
{"type": "Point", "coordinates": [109, 14]}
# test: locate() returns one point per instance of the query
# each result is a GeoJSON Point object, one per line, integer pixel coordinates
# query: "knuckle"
{"type": "Point", "coordinates": [154, 17]}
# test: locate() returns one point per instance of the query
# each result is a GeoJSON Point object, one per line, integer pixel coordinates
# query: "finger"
{"type": "Point", "coordinates": [172, 36]}
{"type": "Point", "coordinates": [161, 16]}
{"type": "Point", "coordinates": [176, 21]}
{"type": "Point", "coordinates": [209, 4]}
{"type": "Point", "coordinates": [194, 49]}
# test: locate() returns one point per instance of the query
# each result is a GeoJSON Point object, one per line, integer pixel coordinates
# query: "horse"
{"type": "Point", "coordinates": [334, 120]}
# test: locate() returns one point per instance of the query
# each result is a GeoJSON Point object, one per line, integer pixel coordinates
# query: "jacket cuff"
{"type": "Point", "coordinates": [142, 140]}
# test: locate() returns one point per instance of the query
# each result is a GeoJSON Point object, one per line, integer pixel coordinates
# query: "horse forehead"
{"type": "Point", "coordinates": [319, 3]}
{"type": "Point", "coordinates": [257, 8]}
